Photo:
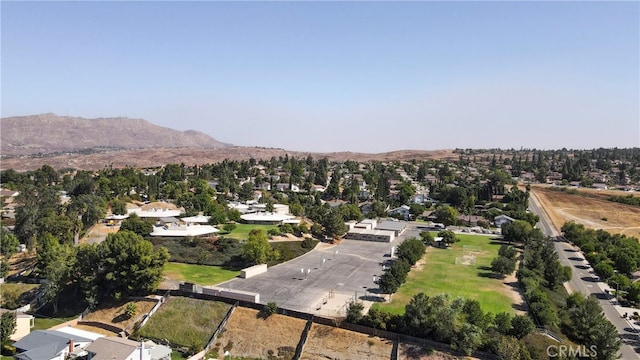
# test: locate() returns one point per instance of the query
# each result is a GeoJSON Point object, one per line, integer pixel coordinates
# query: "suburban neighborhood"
{"type": "Point", "coordinates": [339, 245]}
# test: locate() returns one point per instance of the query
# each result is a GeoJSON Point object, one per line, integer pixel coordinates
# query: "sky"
{"type": "Point", "coordinates": [357, 76]}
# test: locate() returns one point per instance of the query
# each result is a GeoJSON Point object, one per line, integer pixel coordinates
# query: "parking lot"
{"type": "Point", "coordinates": [325, 279]}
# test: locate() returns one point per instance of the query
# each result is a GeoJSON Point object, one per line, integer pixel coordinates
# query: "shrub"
{"type": "Point", "coordinates": [269, 309]}
{"type": "Point", "coordinates": [307, 243]}
{"type": "Point", "coordinates": [131, 310]}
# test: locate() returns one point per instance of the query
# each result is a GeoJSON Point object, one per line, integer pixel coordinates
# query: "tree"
{"type": "Point", "coordinates": [334, 225]}
{"type": "Point", "coordinates": [87, 270]}
{"type": "Point", "coordinates": [118, 207]}
{"type": "Point", "coordinates": [508, 251]}
{"type": "Point", "coordinates": [516, 231]}
{"type": "Point", "coordinates": [448, 236]}
{"type": "Point", "coordinates": [137, 225]}
{"type": "Point", "coordinates": [58, 272]}
{"type": "Point", "coordinates": [503, 266]}
{"type": "Point", "coordinates": [417, 315]}
{"type": "Point", "coordinates": [8, 243]}
{"type": "Point", "coordinates": [590, 327]}
{"type": "Point", "coordinates": [467, 339]}
{"type": "Point", "coordinates": [354, 312]}
{"type": "Point", "coordinates": [228, 227]}
{"type": "Point", "coordinates": [426, 237]}
{"type": "Point", "coordinates": [130, 265]}
{"type": "Point", "coordinates": [446, 215]}
{"type": "Point", "coordinates": [510, 348]}
{"type": "Point", "coordinates": [4, 268]}
{"type": "Point", "coordinates": [257, 250]}
{"type": "Point", "coordinates": [502, 322]}
{"type": "Point", "coordinates": [521, 326]}
{"type": "Point", "coordinates": [411, 250]}
{"type": "Point", "coordinates": [217, 214]}
{"type": "Point", "coordinates": [625, 262]}
{"type": "Point", "coordinates": [604, 269]}
{"type": "Point", "coordinates": [7, 326]}
{"type": "Point", "coordinates": [90, 208]}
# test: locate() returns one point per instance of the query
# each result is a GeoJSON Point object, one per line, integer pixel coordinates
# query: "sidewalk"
{"type": "Point", "coordinates": [633, 324]}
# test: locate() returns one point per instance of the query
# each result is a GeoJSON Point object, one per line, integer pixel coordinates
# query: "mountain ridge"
{"type": "Point", "coordinates": [50, 133]}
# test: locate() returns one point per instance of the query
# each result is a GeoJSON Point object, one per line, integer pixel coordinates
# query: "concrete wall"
{"type": "Point", "coordinates": [253, 271]}
{"type": "Point", "coordinates": [233, 294]}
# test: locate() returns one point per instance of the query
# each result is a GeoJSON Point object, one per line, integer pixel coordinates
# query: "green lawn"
{"type": "Point", "coordinates": [440, 274]}
{"type": "Point", "coordinates": [198, 274]}
{"type": "Point", "coordinates": [241, 232]}
{"type": "Point", "coordinates": [185, 321]}
{"type": "Point", "coordinates": [41, 323]}
{"type": "Point", "coordinates": [12, 295]}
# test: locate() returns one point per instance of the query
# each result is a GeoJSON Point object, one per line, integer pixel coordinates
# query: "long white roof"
{"type": "Point", "coordinates": [196, 219]}
{"type": "Point", "coordinates": [266, 216]}
{"type": "Point", "coordinates": [155, 212]}
{"type": "Point", "coordinates": [183, 230]}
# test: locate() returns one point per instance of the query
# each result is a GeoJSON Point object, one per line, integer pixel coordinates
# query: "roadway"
{"type": "Point", "coordinates": [587, 282]}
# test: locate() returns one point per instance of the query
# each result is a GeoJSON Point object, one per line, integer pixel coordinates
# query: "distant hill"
{"type": "Point", "coordinates": [50, 133]}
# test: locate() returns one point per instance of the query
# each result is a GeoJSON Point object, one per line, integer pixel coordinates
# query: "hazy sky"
{"type": "Point", "coordinates": [336, 76]}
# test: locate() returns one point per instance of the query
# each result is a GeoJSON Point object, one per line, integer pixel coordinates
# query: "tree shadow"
{"type": "Point", "coordinates": [371, 298]}
{"type": "Point", "coordinates": [120, 318]}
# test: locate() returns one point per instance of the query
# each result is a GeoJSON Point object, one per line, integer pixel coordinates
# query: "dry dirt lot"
{"type": "Point", "coordinates": [417, 352]}
{"type": "Point", "coordinates": [249, 336]}
{"type": "Point", "coordinates": [592, 211]}
{"type": "Point", "coordinates": [326, 342]}
{"type": "Point", "coordinates": [113, 313]}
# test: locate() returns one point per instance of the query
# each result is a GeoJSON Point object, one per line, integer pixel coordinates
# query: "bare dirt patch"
{"type": "Point", "coordinates": [326, 342]}
{"type": "Point", "coordinates": [417, 352]}
{"type": "Point", "coordinates": [113, 313]}
{"type": "Point", "coordinates": [247, 335]}
{"type": "Point", "coordinates": [592, 211]}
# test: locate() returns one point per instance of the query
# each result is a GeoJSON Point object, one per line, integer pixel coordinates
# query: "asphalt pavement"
{"type": "Point", "coordinates": [325, 279]}
{"type": "Point", "coordinates": [587, 282]}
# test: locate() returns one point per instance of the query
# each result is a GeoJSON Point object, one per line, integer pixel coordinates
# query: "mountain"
{"type": "Point", "coordinates": [50, 133]}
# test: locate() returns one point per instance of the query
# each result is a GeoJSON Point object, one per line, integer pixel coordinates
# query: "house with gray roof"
{"type": "Point", "coordinates": [117, 348]}
{"type": "Point", "coordinates": [49, 345]}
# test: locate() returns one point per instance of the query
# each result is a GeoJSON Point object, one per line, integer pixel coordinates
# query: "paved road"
{"type": "Point", "coordinates": [585, 281]}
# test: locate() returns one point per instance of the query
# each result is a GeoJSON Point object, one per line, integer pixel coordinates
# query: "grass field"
{"type": "Point", "coordinates": [241, 232]}
{"type": "Point", "coordinates": [42, 323]}
{"type": "Point", "coordinates": [198, 274]}
{"type": "Point", "coordinates": [12, 294]}
{"type": "Point", "coordinates": [185, 321]}
{"type": "Point", "coordinates": [440, 274]}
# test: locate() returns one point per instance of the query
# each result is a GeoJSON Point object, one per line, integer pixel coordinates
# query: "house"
{"type": "Point", "coordinates": [117, 348]}
{"type": "Point", "coordinates": [502, 219]}
{"type": "Point", "coordinates": [423, 199]}
{"type": "Point", "coordinates": [266, 218]}
{"type": "Point", "coordinates": [401, 212]}
{"type": "Point", "coordinates": [24, 324]}
{"type": "Point", "coordinates": [50, 345]}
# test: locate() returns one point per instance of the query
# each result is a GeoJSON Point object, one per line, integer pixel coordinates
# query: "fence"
{"type": "Point", "coordinates": [330, 322]}
{"type": "Point", "coordinates": [215, 335]}
{"type": "Point", "coordinates": [137, 324]}
{"type": "Point", "coordinates": [303, 340]}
